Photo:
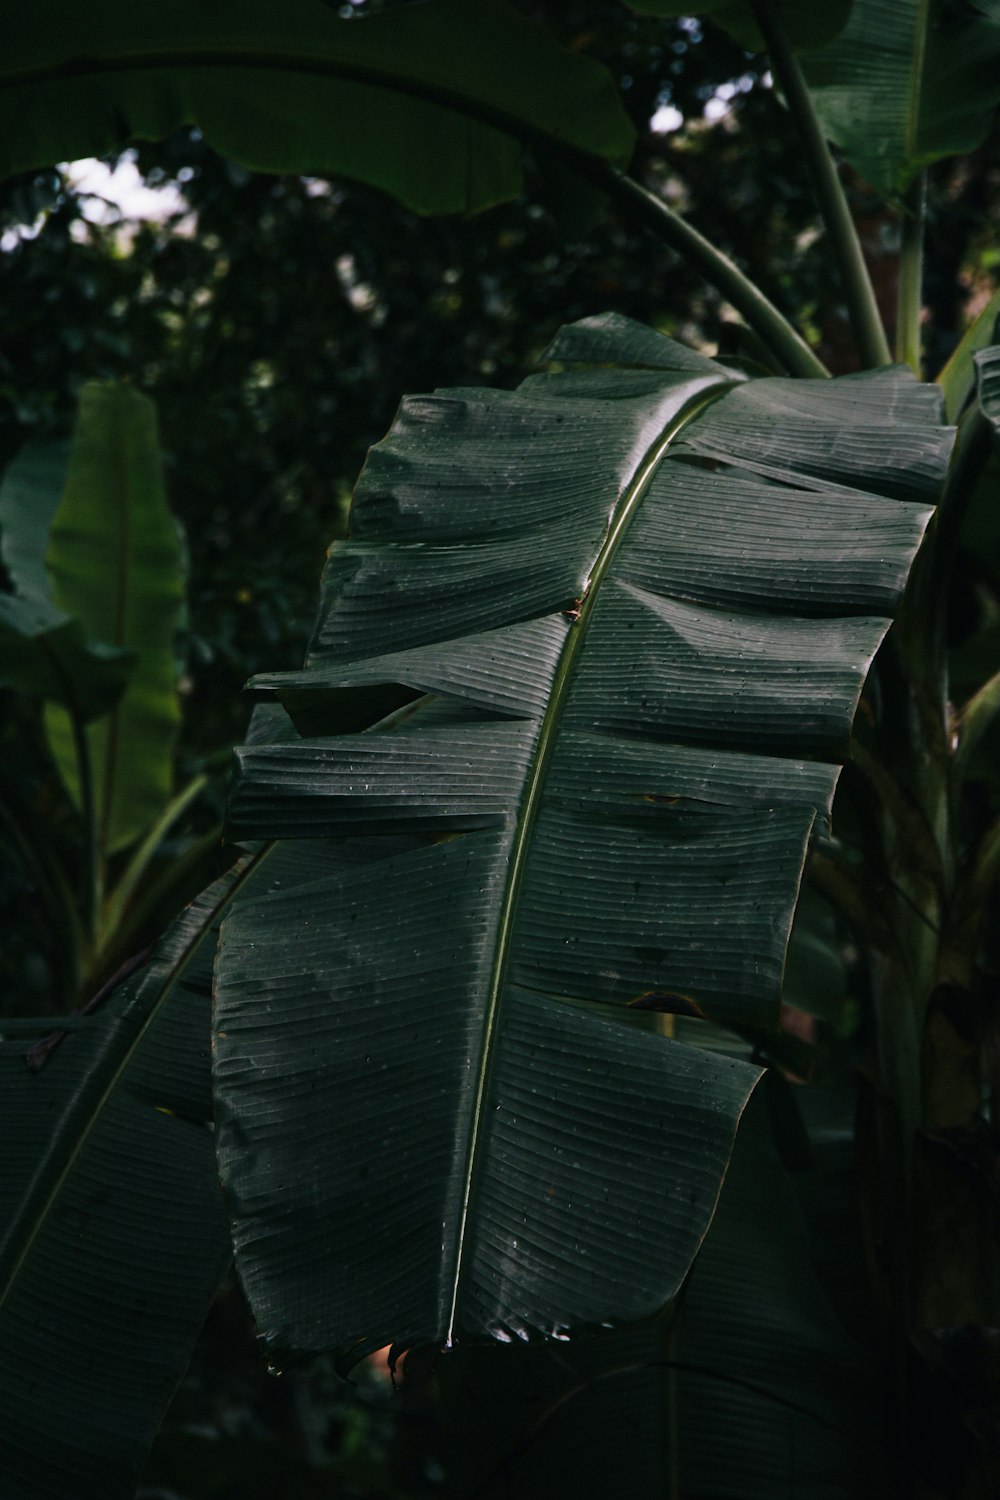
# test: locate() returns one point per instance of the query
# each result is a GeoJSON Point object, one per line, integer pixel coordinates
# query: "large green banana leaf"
{"type": "Point", "coordinates": [113, 1233]}
{"type": "Point", "coordinates": [431, 102]}
{"type": "Point", "coordinates": [115, 563]}
{"type": "Point", "coordinates": [432, 1122]}
{"type": "Point", "coordinates": [906, 83]}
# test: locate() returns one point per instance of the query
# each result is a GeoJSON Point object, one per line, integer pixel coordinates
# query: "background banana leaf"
{"type": "Point", "coordinates": [905, 84]}
{"type": "Point", "coordinates": [45, 654]}
{"type": "Point", "coordinates": [610, 801]}
{"type": "Point", "coordinates": [114, 1236]}
{"type": "Point", "coordinates": [114, 558]}
{"type": "Point", "coordinates": [987, 363]}
{"type": "Point", "coordinates": [30, 492]}
{"type": "Point", "coordinates": [429, 102]}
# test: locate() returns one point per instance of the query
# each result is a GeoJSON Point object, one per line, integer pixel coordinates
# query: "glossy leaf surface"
{"type": "Point", "coordinates": [432, 1123]}
{"type": "Point", "coordinates": [114, 559]}
{"type": "Point", "coordinates": [114, 1234]}
{"type": "Point", "coordinates": [906, 83]}
{"type": "Point", "coordinates": [430, 102]}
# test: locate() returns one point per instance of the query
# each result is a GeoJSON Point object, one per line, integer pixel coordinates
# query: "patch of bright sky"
{"type": "Point", "coordinates": [111, 196]}
{"type": "Point", "coordinates": [121, 193]}
{"type": "Point", "coordinates": [721, 100]}
{"type": "Point", "coordinates": [667, 118]}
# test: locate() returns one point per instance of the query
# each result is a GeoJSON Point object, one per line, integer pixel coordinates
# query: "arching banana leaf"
{"type": "Point", "coordinates": [113, 1234]}
{"type": "Point", "coordinates": [641, 602]}
{"type": "Point", "coordinates": [906, 83]}
{"type": "Point", "coordinates": [431, 102]}
{"type": "Point", "coordinates": [958, 377]}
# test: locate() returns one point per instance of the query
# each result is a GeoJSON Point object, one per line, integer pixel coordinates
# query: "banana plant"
{"type": "Point", "coordinates": [113, 1220]}
{"type": "Point", "coordinates": [96, 561]}
{"type": "Point", "coordinates": [643, 629]}
{"type": "Point", "coordinates": [568, 736]}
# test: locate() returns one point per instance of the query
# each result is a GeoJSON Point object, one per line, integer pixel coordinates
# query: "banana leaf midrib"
{"type": "Point", "coordinates": [919, 56]}
{"type": "Point", "coordinates": [105, 1084]}
{"type": "Point", "coordinates": [623, 513]}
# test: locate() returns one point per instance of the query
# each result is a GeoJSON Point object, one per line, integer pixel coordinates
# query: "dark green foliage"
{"type": "Point", "coordinates": [653, 788]}
{"type": "Point", "coordinates": [430, 103]}
{"type": "Point", "coordinates": [112, 1219]}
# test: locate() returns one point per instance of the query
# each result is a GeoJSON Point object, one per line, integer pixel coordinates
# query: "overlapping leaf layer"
{"type": "Point", "coordinates": [906, 83]}
{"type": "Point", "coordinates": [111, 1220]}
{"type": "Point", "coordinates": [429, 102]}
{"type": "Point", "coordinates": [632, 606]}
